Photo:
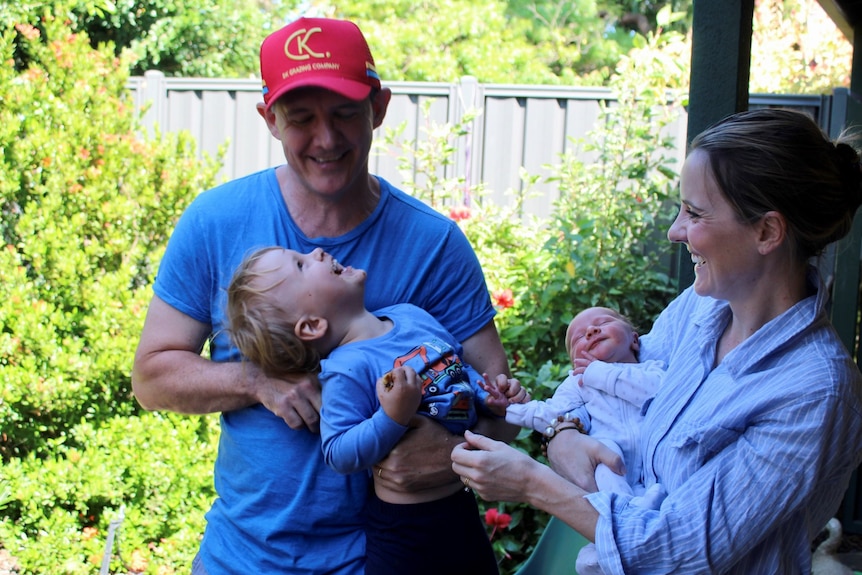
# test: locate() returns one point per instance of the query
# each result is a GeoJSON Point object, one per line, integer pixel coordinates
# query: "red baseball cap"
{"type": "Point", "coordinates": [321, 52]}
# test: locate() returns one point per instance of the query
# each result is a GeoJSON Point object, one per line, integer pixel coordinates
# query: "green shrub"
{"type": "Point", "coordinates": [157, 467]}
{"type": "Point", "coordinates": [87, 203]}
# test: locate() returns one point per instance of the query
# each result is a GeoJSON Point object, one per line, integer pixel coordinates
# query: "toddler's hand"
{"type": "Point", "coordinates": [400, 392]}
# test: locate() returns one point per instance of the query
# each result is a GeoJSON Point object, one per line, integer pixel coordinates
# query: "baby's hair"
{"type": "Point", "coordinates": [261, 328]}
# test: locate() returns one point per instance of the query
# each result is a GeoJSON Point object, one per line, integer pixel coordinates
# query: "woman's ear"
{"type": "Point", "coordinates": [310, 328]}
{"type": "Point", "coordinates": [772, 231]}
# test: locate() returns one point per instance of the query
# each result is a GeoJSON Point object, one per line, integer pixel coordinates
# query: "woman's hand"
{"type": "Point", "coordinates": [498, 472]}
{"type": "Point", "coordinates": [494, 470]}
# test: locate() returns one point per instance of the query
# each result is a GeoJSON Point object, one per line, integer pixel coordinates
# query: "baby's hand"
{"type": "Point", "coordinates": [503, 391]}
{"type": "Point", "coordinates": [400, 392]}
{"type": "Point", "coordinates": [579, 365]}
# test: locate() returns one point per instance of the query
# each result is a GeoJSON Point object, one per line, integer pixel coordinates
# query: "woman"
{"type": "Point", "coordinates": [758, 425]}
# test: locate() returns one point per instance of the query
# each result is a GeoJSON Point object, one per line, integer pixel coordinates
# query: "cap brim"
{"type": "Point", "coordinates": [350, 89]}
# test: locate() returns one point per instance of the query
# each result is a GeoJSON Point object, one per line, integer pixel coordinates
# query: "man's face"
{"type": "Point", "coordinates": [326, 138]}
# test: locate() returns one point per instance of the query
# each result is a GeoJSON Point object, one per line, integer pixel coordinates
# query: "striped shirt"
{"type": "Point", "coordinates": [755, 453]}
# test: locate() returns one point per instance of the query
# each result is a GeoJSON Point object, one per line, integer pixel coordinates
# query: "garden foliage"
{"type": "Point", "coordinates": [87, 205]}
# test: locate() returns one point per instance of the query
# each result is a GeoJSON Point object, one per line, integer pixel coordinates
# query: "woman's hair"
{"type": "Point", "coordinates": [261, 328]}
{"type": "Point", "coordinates": [776, 159]}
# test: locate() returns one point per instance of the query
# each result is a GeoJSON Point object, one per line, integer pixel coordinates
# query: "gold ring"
{"type": "Point", "coordinates": [467, 482]}
{"type": "Point", "coordinates": [380, 472]}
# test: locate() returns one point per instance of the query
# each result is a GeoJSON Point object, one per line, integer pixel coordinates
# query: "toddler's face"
{"type": "Point", "coordinates": [313, 283]}
{"type": "Point", "coordinates": [603, 334]}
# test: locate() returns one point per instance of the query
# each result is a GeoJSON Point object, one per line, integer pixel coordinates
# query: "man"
{"type": "Point", "coordinates": [280, 509]}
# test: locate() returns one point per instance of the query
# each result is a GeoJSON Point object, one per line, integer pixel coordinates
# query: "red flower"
{"type": "Point", "coordinates": [503, 298]}
{"type": "Point", "coordinates": [459, 213]}
{"type": "Point", "coordinates": [496, 519]}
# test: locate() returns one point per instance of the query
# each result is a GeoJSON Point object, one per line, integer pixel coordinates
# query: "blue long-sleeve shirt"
{"type": "Point", "coordinates": [755, 452]}
{"type": "Point", "coordinates": [355, 431]}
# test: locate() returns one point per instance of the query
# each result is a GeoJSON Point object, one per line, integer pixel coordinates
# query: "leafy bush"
{"type": "Point", "coordinates": [157, 467]}
{"type": "Point", "coordinates": [87, 203]}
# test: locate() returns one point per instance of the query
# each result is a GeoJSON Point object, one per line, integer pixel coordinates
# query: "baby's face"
{"type": "Point", "coordinates": [603, 334]}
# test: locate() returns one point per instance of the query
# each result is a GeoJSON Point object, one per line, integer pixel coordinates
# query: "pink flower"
{"type": "Point", "coordinates": [28, 31]}
{"type": "Point", "coordinates": [503, 298]}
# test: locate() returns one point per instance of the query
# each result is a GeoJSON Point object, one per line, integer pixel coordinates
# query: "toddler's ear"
{"type": "Point", "coordinates": [310, 328]}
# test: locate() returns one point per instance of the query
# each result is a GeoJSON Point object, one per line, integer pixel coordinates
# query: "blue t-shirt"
{"type": "Point", "coordinates": [280, 508]}
{"type": "Point", "coordinates": [356, 432]}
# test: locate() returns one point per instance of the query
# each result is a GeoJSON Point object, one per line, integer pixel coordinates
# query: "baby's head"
{"type": "Point", "coordinates": [603, 333]}
{"type": "Point", "coordinates": [278, 306]}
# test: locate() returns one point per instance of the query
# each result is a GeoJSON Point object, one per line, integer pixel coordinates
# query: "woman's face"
{"type": "Point", "coordinates": [723, 250]}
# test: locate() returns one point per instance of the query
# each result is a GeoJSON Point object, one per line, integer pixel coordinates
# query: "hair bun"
{"type": "Point", "coordinates": [850, 168]}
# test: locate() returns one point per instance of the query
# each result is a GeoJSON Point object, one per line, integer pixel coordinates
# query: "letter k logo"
{"type": "Point", "coordinates": [301, 51]}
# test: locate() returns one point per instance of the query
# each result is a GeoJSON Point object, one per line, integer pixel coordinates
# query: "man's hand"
{"type": "Point", "coordinates": [295, 400]}
{"type": "Point", "coordinates": [421, 460]}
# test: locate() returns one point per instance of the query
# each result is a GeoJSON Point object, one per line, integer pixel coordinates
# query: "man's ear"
{"type": "Point", "coordinates": [772, 230]}
{"type": "Point", "coordinates": [310, 328]}
{"type": "Point", "coordinates": [270, 119]}
{"type": "Point", "coordinates": [379, 105]}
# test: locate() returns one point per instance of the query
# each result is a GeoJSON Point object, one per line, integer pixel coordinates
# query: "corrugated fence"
{"type": "Point", "coordinates": [519, 126]}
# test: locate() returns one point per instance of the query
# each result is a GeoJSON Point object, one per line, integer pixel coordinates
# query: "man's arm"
{"type": "Point", "coordinates": [170, 374]}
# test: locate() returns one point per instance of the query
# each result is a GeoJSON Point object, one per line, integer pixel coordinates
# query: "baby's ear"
{"type": "Point", "coordinates": [310, 328]}
{"type": "Point", "coordinates": [636, 342]}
